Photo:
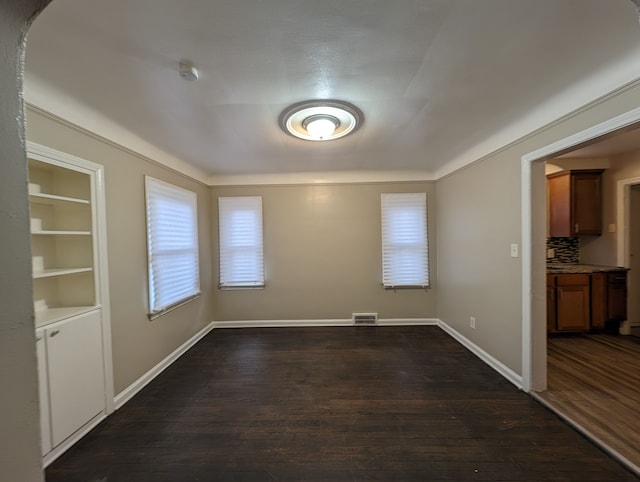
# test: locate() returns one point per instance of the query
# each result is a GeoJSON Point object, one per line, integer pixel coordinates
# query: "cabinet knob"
{"type": "Point", "coordinates": [54, 333]}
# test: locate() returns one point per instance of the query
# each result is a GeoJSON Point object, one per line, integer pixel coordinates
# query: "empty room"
{"type": "Point", "coordinates": [314, 241]}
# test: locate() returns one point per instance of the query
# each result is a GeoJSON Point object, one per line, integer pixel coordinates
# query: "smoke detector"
{"type": "Point", "coordinates": [188, 71]}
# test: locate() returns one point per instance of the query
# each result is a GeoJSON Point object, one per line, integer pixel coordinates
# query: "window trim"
{"type": "Point", "coordinates": [191, 199]}
{"type": "Point", "coordinates": [424, 247]}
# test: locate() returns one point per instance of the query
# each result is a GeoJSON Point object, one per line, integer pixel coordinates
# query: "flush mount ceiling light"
{"type": "Point", "coordinates": [321, 120]}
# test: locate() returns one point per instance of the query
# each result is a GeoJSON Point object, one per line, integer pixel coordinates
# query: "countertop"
{"type": "Point", "coordinates": [569, 268]}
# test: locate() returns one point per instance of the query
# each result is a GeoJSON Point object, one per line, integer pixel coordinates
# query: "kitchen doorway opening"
{"type": "Point", "coordinates": [534, 235]}
{"type": "Point", "coordinates": [628, 201]}
{"type": "Point", "coordinates": [622, 236]}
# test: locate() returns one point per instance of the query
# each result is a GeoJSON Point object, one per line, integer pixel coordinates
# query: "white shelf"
{"type": "Point", "coordinates": [59, 272]}
{"type": "Point", "coordinates": [52, 315]}
{"type": "Point", "coordinates": [61, 233]}
{"type": "Point", "coordinates": [53, 200]}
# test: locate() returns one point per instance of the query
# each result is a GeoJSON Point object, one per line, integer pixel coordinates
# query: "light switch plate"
{"type": "Point", "coordinates": [514, 251]}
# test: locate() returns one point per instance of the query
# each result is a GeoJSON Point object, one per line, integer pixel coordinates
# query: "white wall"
{"type": "Point", "coordinates": [19, 414]}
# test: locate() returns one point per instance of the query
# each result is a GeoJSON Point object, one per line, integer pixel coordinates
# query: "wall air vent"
{"type": "Point", "coordinates": [364, 319]}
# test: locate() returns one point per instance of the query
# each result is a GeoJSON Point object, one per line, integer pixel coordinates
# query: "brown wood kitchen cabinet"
{"type": "Point", "coordinates": [616, 296]}
{"type": "Point", "coordinates": [609, 298]}
{"type": "Point", "coordinates": [573, 302]}
{"type": "Point", "coordinates": [575, 203]}
{"type": "Point", "coordinates": [599, 300]}
{"type": "Point", "coordinates": [551, 303]}
{"type": "Point", "coordinates": [568, 302]}
{"type": "Point", "coordinates": [579, 302]}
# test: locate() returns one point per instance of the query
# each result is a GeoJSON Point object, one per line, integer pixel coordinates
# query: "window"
{"type": "Point", "coordinates": [240, 247]}
{"type": "Point", "coordinates": [405, 249]}
{"type": "Point", "coordinates": [172, 244]}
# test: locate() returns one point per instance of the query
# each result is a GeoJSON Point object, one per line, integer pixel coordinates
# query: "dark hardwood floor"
{"type": "Point", "coordinates": [323, 404]}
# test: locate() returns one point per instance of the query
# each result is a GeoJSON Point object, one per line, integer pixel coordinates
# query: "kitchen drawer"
{"type": "Point", "coordinates": [572, 279]}
{"type": "Point", "coordinates": [618, 277]}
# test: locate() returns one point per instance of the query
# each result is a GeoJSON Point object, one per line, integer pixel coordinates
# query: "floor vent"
{"type": "Point", "coordinates": [364, 319]}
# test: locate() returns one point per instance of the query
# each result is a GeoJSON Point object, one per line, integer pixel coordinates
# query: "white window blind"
{"type": "Point", "coordinates": [240, 244]}
{"type": "Point", "coordinates": [405, 249]}
{"type": "Point", "coordinates": [172, 243]}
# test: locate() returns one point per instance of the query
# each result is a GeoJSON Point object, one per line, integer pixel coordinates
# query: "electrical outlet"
{"type": "Point", "coordinates": [472, 322]}
{"type": "Point", "coordinates": [514, 251]}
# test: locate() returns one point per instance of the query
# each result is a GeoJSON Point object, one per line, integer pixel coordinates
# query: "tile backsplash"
{"type": "Point", "coordinates": [566, 250]}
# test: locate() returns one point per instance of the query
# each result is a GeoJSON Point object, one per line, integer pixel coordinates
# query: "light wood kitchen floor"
{"type": "Point", "coordinates": [594, 382]}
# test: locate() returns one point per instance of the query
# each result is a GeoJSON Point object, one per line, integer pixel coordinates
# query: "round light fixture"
{"type": "Point", "coordinates": [321, 120]}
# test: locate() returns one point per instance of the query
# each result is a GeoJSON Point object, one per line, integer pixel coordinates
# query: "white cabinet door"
{"type": "Point", "coordinates": [43, 390]}
{"type": "Point", "coordinates": [76, 375]}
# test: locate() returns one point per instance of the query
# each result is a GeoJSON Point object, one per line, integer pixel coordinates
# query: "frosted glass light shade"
{"type": "Point", "coordinates": [321, 127]}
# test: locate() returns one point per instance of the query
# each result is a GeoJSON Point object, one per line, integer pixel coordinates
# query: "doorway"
{"type": "Point", "coordinates": [534, 231]}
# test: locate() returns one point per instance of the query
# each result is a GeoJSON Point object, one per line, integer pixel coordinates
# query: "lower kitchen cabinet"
{"type": "Point", "coordinates": [72, 382]}
{"type": "Point", "coordinates": [573, 310]}
{"type": "Point", "coordinates": [599, 300]}
{"type": "Point", "coordinates": [580, 302]}
{"type": "Point", "coordinates": [551, 303]}
{"type": "Point", "coordinates": [617, 296]}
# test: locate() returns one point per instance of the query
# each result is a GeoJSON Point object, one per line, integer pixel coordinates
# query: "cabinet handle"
{"type": "Point", "coordinates": [38, 338]}
{"type": "Point", "coordinates": [54, 333]}
{"type": "Point", "coordinates": [577, 228]}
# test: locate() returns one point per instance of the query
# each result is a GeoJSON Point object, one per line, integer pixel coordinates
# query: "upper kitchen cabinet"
{"type": "Point", "coordinates": [575, 203]}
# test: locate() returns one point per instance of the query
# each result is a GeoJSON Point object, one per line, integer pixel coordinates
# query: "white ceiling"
{"type": "Point", "coordinates": [610, 146]}
{"type": "Point", "coordinates": [436, 79]}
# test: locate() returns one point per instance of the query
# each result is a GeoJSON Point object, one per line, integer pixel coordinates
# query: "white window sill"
{"type": "Point", "coordinates": [157, 314]}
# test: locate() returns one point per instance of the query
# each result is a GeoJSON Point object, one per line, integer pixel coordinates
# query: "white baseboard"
{"type": "Point", "coordinates": [65, 445]}
{"type": "Point", "coordinates": [498, 366]}
{"type": "Point", "coordinates": [281, 323]}
{"type": "Point", "coordinates": [320, 323]}
{"type": "Point", "coordinates": [408, 321]}
{"type": "Point", "coordinates": [128, 393]}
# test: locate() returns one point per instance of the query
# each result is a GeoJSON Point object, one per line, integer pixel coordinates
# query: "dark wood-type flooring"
{"type": "Point", "coordinates": [595, 381]}
{"type": "Point", "coordinates": [324, 404]}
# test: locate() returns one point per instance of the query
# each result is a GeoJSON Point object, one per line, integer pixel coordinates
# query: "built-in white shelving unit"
{"type": "Point", "coordinates": [63, 237]}
{"type": "Point", "coordinates": [70, 287]}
